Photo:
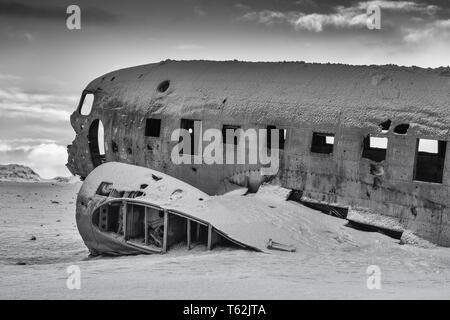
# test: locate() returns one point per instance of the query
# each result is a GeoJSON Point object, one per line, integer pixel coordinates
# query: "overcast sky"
{"type": "Point", "coordinates": [44, 66]}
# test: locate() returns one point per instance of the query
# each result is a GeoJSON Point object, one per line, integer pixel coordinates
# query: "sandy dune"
{"type": "Point", "coordinates": [331, 264]}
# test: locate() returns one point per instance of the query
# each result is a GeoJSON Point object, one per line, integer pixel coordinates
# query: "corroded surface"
{"type": "Point", "coordinates": [349, 101]}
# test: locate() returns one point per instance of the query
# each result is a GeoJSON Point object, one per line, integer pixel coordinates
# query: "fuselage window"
{"type": "Point", "coordinates": [152, 127]}
{"type": "Point", "coordinates": [231, 129]}
{"type": "Point", "coordinates": [322, 142]}
{"type": "Point", "coordinates": [281, 137]}
{"type": "Point", "coordinates": [163, 86]}
{"type": "Point", "coordinates": [375, 148]}
{"type": "Point", "coordinates": [429, 163]}
{"type": "Point", "coordinates": [385, 126]}
{"type": "Point", "coordinates": [401, 128]}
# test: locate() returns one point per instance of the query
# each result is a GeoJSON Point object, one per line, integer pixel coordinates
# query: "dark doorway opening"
{"type": "Point", "coordinates": [96, 140]}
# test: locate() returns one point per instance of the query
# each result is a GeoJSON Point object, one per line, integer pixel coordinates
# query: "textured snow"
{"type": "Point", "coordinates": [250, 219]}
{"type": "Point", "coordinates": [330, 262]}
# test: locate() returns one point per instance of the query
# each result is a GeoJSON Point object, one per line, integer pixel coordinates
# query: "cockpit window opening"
{"type": "Point", "coordinates": [86, 103]}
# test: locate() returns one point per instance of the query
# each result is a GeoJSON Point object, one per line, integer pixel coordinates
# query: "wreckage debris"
{"type": "Point", "coordinates": [331, 141]}
{"type": "Point", "coordinates": [174, 213]}
{"type": "Point", "coordinates": [373, 228]}
{"type": "Point", "coordinates": [280, 246]}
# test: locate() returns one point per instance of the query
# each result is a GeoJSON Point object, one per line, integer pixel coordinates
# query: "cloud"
{"type": "Point", "coordinates": [404, 6]}
{"type": "Point", "coordinates": [269, 17]}
{"type": "Point", "coordinates": [344, 18]}
{"type": "Point", "coordinates": [25, 10]}
{"type": "Point", "coordinates": [14, 103]}
{"type": "Point", "coordinates": [199, 11]}
{"type": "Point", "coordinates": [34, 127]}
{"type": "Point", "coordinates": [35, 123]}
{"type": "Point", "coordinates": [47, 159]}
{"type": "Point", "coordinates": [241, 6]}
{"type": "Point", "coordinates": [10, 77]}
{"type": "Point", "coordinates": [354, 16]}
{"type": "Point", "coordinates": [438, 28]}
{"type": "Point", "coordinates": [22, 10]}
{"type": "Point", "coordinates": [23, 144]}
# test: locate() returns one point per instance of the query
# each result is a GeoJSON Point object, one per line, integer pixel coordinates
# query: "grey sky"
{"type": "Point", "coordinates": [44, 66]}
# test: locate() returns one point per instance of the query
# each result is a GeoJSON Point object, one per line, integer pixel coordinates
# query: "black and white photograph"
{"type": "Point", "coordinates": [213, 150]}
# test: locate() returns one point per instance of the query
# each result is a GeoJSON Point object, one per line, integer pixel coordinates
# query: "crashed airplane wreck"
{"type": "Point", "coordinates": [125, 209]}
{"type": "Point", "coordinates": [361, 141]}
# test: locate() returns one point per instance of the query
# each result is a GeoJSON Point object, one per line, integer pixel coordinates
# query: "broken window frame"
{"type": "Point", "coordinates": [375, 154]}
{"type": "Point", "coordinates": [401, 129]}
{"type": "Point", "coordinates": [154, 229]}
{"type": "Point", "coordinates": [424, 161]}
{"type": "Point", "coordinates": [153, 127]}
{"type": "Point", "coordinates": [83, 100]}
{"type": "Point", "coordinates": [319, 143]}
{"type": "Point", "coordinates": [385, 126]}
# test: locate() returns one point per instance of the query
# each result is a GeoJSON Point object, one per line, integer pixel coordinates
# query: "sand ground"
{"type": "Point", "coordinates": [334, 269]}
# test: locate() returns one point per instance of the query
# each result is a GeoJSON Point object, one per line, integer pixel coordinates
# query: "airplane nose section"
{"type": "Point", "coordinates": [83, 219]}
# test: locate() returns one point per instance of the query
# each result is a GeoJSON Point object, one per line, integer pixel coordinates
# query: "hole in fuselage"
{"type": "Point", "coordinates": [144, 228]}
{"type": "Point", "coordinates": [163, 86]}
{"type": "Point", "coordinates": [401, 128]}
{"type": "Point", "coordinates": [97, 142]}
{"type": "Point", "coordinates": [115, 147]}
{"type": "Point", "coordinates": [385, 126]}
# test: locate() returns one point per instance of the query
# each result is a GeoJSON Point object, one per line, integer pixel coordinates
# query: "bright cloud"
{"type": "Point", "coordinates": [30, 128]}
{"type": "Point", "coordinates": [47, 159]}
{"type": "Point", "coordinates": [438, 28]}
{"type": "Point", "coordinates": [342, 17]}
{"type": "Point", "coordinates": [405, 6]}
{"type": "Point", "coordinates": [14, 103]}
{"type": "Point", "coordinates": [345, 17]}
